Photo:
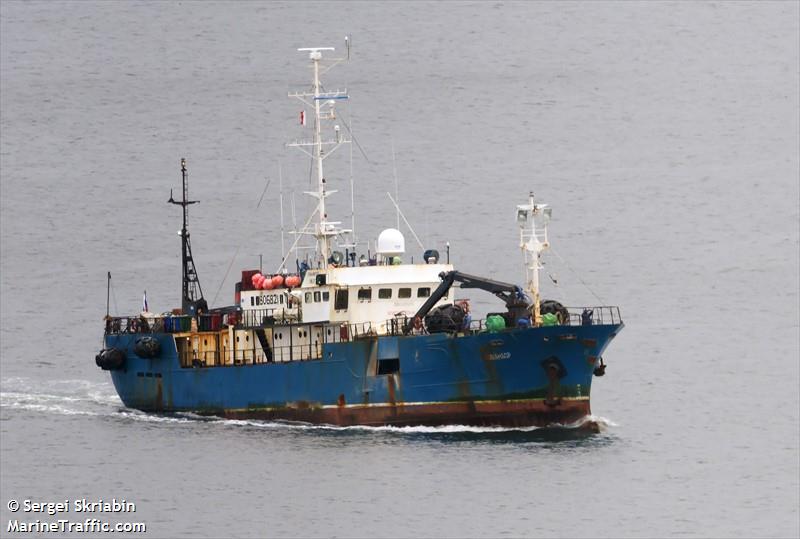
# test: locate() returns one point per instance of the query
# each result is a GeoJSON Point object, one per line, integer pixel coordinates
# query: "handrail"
{"type": "Point", "coordinates": [596, 315]}
{"type": "Point", "coordinates": [261, 318]}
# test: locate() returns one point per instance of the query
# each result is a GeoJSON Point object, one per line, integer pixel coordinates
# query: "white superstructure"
{"type": "Point", "coordinates": [335, 290]}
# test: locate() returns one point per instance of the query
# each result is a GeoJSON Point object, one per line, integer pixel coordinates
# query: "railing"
{"type": "Point", "coordinates": [134, 324]}
{"type": "Point", "coordinates": [589, 316]}
{"type": "Point", "coordinates": [168, 323]}
{"type": "Point", "coordinates": [360, 330]}
{"type": "Point", "coordinates": [260, 318]}
{"type": "Point", "coordinates": [196, 358]}
{"type": "Point", "coordinates": [210, 348]}
{"type": "Point", "coordinates": [578, 316]}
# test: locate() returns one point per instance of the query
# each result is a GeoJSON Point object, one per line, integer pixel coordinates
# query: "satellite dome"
{"type": "Point", "coordinates": [391, 242]}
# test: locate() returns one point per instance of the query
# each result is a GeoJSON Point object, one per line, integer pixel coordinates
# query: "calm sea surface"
{"type": "Point", "coordinates": [665, 135]}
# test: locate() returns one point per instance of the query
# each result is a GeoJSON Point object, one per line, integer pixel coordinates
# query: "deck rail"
{"type": "Point", "coordinates": [592, 316]}
{"type": "Point", "coordinates": [260, 318]}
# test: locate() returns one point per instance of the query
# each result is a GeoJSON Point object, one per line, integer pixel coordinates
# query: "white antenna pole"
{"type": "Point", "coordinates": [322, 240]}
{"type": "Point", "coordinates": [352, 189]}
{"type": "Point", "coordinates": [396, 188]}
{"type": "Point", "coordinates": [283, 242]}
{"type": "Point", "coordinates": [294, 224]}
{"type": "Point", "coordinates": [405, 220]}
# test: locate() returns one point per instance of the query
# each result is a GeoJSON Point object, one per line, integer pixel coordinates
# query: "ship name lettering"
{"type": "Point", "coordinates": [272, 299]}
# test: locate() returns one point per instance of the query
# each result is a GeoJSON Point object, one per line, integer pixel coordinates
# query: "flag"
{"type": "Point", "coordinates": [302, 117]}
{"type": "Point", "coordinates": [144, 303]}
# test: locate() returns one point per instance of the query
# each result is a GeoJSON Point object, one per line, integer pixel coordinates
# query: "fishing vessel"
{"type": "Point", "coordinates": [356, 337]}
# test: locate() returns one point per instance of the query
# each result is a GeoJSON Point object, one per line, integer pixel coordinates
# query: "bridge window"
{"type": "Point", "coordinates": [308, 297]}
{"type": "Point", "coordinates": [423, 292]}
{"type": "Point", "coordinates": [317, 297]}
{"type": "Point", "coordinates": [404, 293]}
{"type": "Point", "coordinates": [385, 293]}
{"type": "Point", "coordinates": [365, 294]}
{"type": "Point", "coordinates": [326, 296]}
{"type": "Point", "coordinates": [340, 302]}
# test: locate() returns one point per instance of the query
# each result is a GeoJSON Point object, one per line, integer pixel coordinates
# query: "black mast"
{"type": "Point", "coordinates": [108, 293]}
{"type": "Point", "coordinates": [191, 295]}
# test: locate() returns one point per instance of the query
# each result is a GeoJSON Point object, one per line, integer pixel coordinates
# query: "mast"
{"type": "Point", "coordinates": [322, 105]}
{"type": "Point", "coordinates": [396, 186]}
{"type": "Point", "coordinates": [108, 294]}
{"type": "Point", "coordinates": [191, 293]}
{"type": "Point", "coordinates": [532, 241]}
{"type": "Point", "coordinates": [353, 238]}
{"type": "Point", "coordinates": [283, 243]}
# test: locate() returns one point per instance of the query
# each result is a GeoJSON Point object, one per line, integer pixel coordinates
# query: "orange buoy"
{"type": "Point", "coordinates": [277, 281]}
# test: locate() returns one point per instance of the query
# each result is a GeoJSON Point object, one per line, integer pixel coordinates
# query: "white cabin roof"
{"type": "Point", "coordinates": [376, 275]}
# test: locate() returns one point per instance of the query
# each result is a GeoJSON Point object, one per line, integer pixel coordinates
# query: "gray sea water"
{"type": "Point", "coordinates": [665, 135]}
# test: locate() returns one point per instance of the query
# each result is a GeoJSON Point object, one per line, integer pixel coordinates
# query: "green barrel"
{"type": "Point", "coordinates": [549, 319]}
{"type": "Point", "coordinates": [495, 323]}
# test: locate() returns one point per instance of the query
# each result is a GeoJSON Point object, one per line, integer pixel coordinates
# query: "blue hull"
{"type": "Point", "coordinates": [526, 376]}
